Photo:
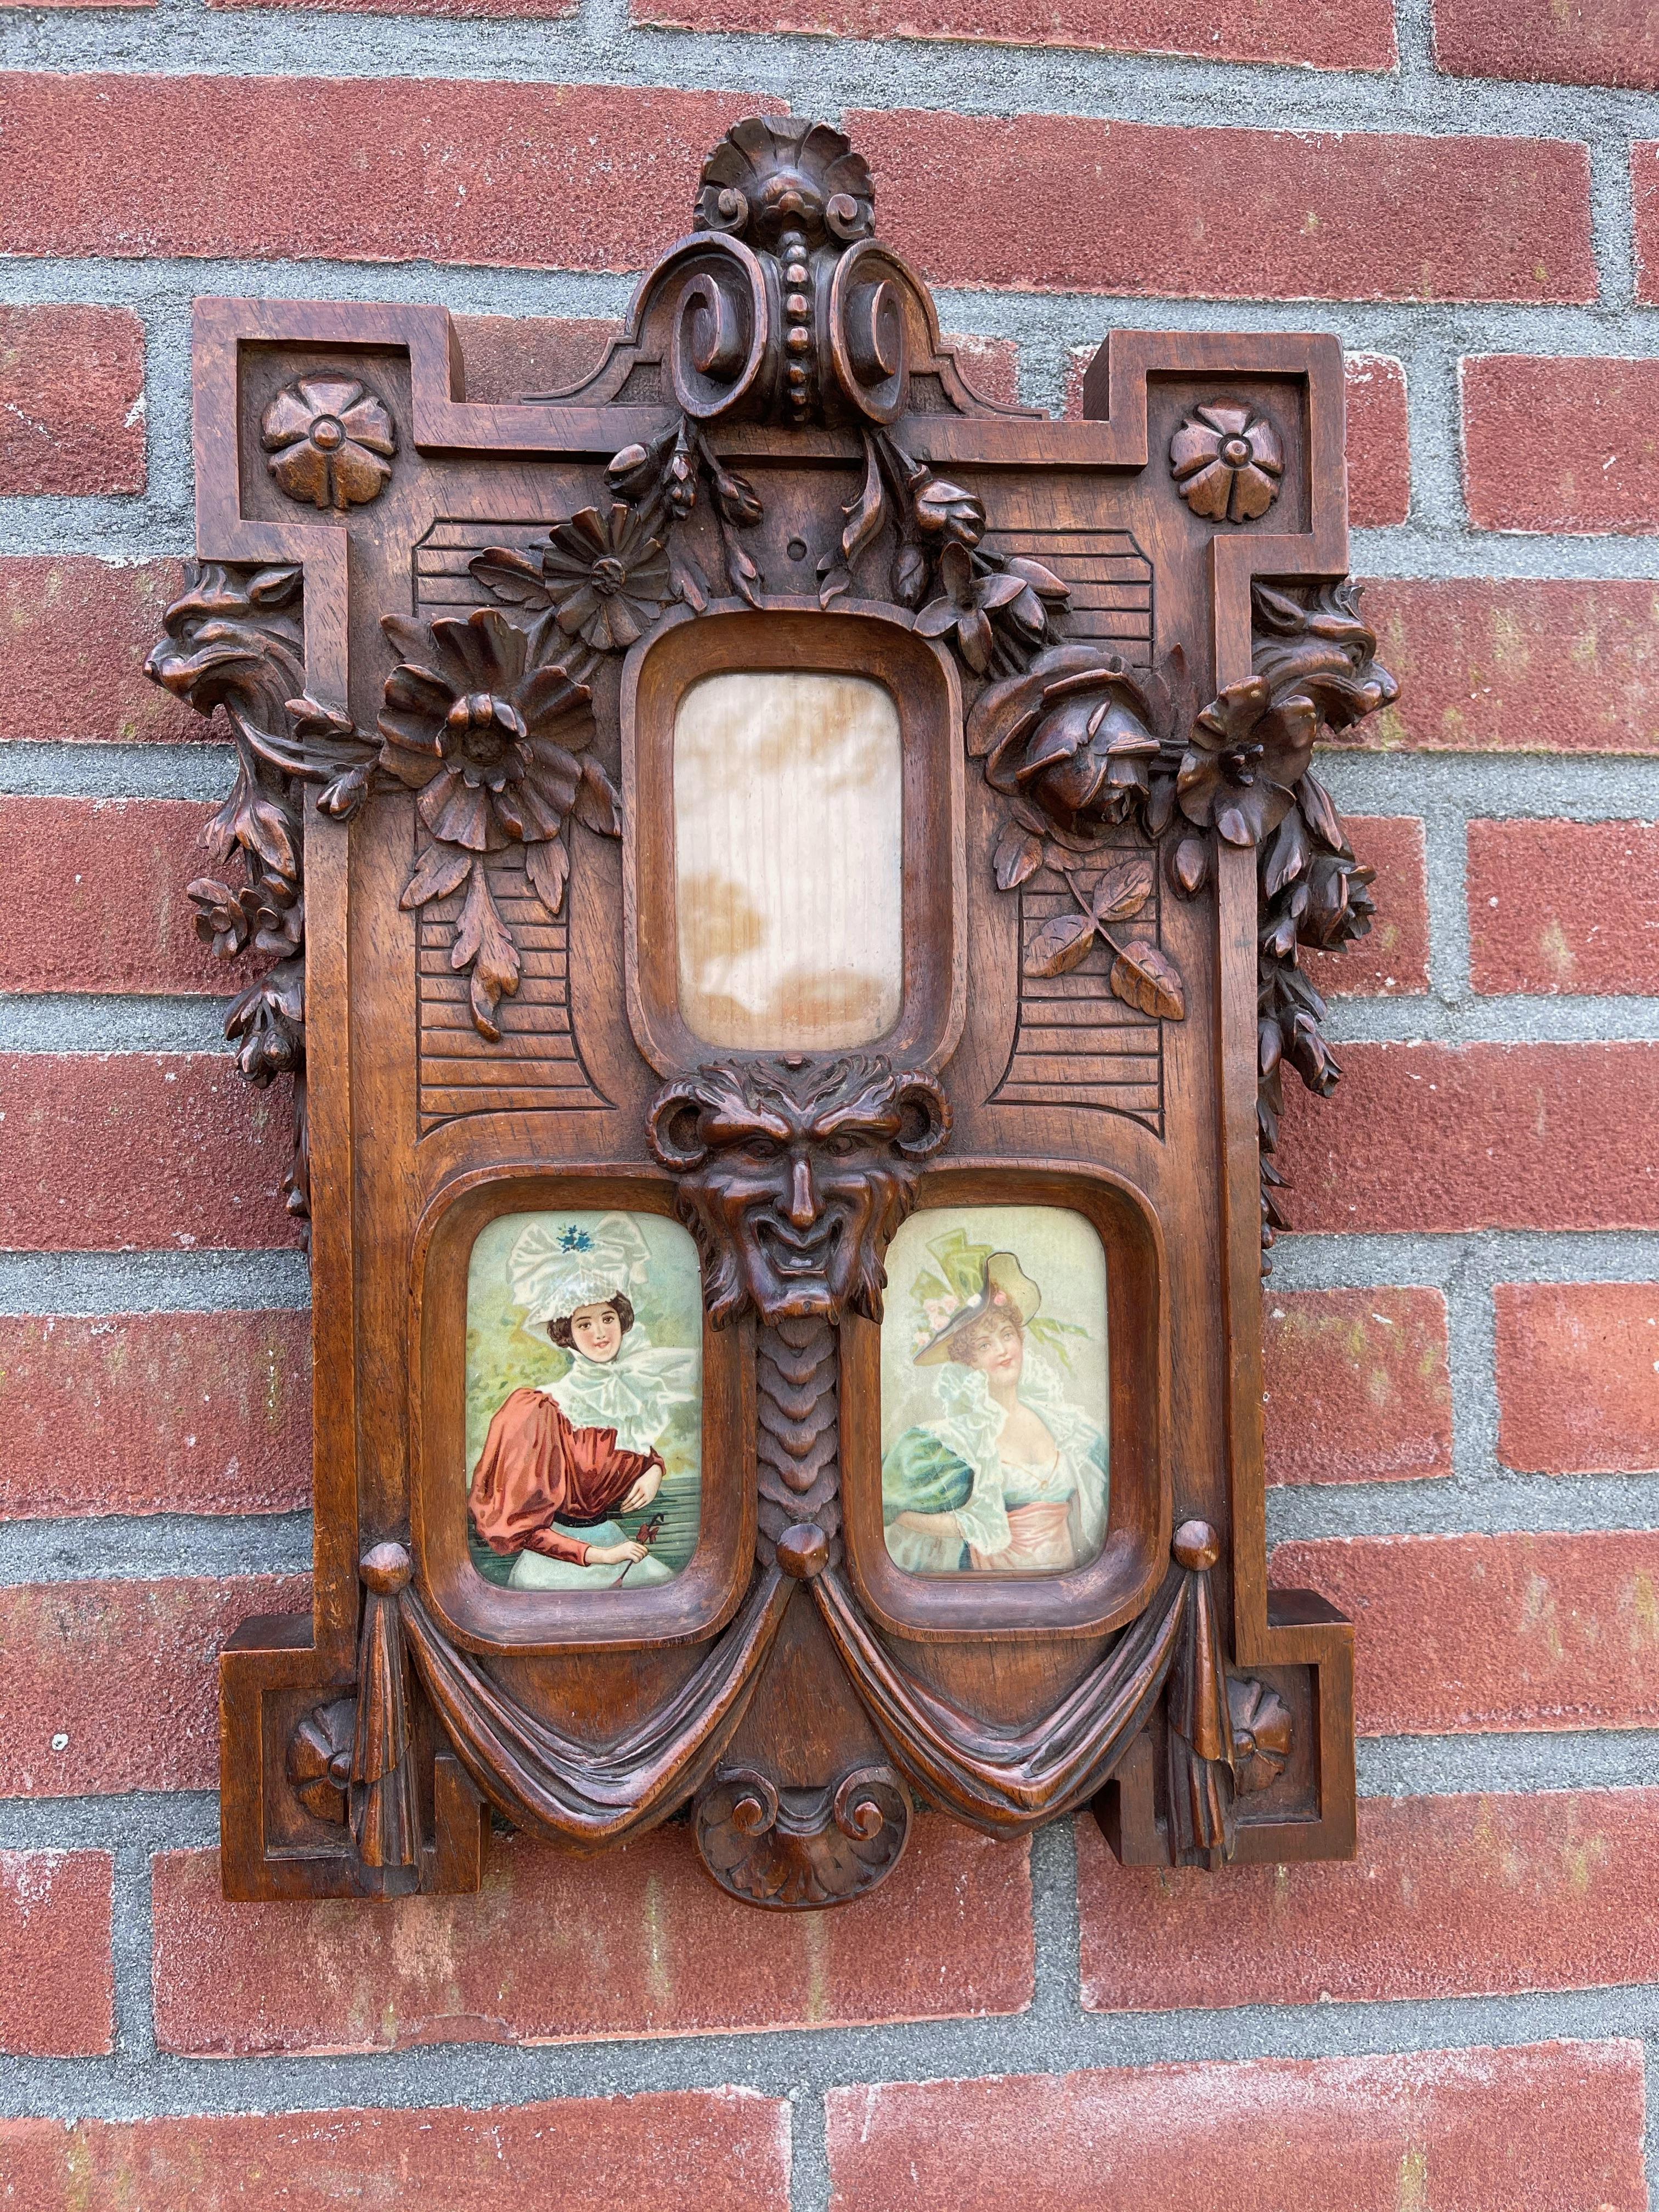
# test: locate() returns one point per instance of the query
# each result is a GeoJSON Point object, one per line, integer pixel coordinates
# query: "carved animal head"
{"type": "Point", "coordinates": [794, 1174]}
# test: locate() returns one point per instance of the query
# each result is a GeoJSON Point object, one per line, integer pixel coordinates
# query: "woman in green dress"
{"type": "Point", "coordinates": [1008, 1476]}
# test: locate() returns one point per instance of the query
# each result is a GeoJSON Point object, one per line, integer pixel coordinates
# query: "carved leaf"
{"type": "Point", "coordinates": [511, 576]}
{"type": "Point", "coordinates": [598, 805]}
{"type": "Point", "coordinates": [548, 866]}
{"type": "Point", "coordinates": [438, 869]}
{"type": "Point", "coordinates": [1120, 893]}
{"type": "Point", "coordinates": [1190, 864]}
{"type": "Point", "coordinates": [482, 942]}
{"type": "Point", "coordinates": [1143, 976]}
{"type": "Point", "coordinates": [1287, 855]}
{"type": "Point", "coordinates": [864, 513]}
{"type": "Point", "coordinates": [910, 576]}
{"type": "Point", "coordinates": [1019, 854]}
{"type": "Point", "coordinates": [1322, 818]}
{"type": "Point", "coordinates": [1060, 944]}
{"type": "Point", "coordinates": [690, 585]}
{"type": "Point", "coordinates": [741, 571]}
{"type": "Point", "coordinates": [836, 582]}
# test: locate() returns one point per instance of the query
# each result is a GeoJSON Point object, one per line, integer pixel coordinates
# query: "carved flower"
{"type": "Point", "coordinates": [607, 576]}
{"type": "Point", "coordinates": [968, 602]}
{"type": "Point", "coordinates": [490, 748]}
{"type": "Point", "coordinates": [1073, 736]}
{"type": "Point", "coordinates": [330, 441]}
{"type": "Point", "coordinates": [944, 510]}
{"type": "Point", "coordinates": [1227, 461]}
{"type": "Point", "coordinates": [1244, 758]}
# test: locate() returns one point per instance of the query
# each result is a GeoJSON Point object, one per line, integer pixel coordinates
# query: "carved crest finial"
{"type": "Point", "coordinates": [771, 175]}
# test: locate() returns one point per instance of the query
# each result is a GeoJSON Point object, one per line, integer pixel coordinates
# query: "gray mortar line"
{"type": "Point", "coordinates": [140, 1547]}
{"type": "Point", "coordinates": [94, 1023]}
{"type": "Point", "coordinates": [94, 770]}
{"type": "Point", "coordinates": [1479, 1497]}
{"type": "Point", "coordinates": [807, 2063]}
{"type": "Point", "coordinates": [825, 77]}
{"type": "Point", "coordinates": [1380, 1260]}
{"type": "Point", "coordinates": [193, 1281]}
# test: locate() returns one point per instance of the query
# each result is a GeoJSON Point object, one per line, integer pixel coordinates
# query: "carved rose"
{"type": "Point", "coordinates": [1073, 736]}
{"type": "Point", "coordinates": [330, 442]}
{"type": "Point", "coordinates": [1228, 462]}
{"type": "Point", "coordinates": [491, 749]}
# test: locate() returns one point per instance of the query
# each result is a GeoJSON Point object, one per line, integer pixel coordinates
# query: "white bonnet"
{"type": "Point", "coordinates": [564, 1261]}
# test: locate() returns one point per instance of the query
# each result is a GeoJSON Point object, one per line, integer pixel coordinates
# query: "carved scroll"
{"type": "Point", "coordinates": [802, 1849]}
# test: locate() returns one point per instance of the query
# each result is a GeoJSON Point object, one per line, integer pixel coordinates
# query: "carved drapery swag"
{"type": "Point", "coordinates": [1115, 780]}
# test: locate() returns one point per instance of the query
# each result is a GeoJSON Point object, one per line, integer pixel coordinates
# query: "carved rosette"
{"type": "Point", "coordinates": [801, 1850]}
{"type": "Point", "coordinates": [330, 441]}
{"type": "Point", "coordinates": [1228, 461]}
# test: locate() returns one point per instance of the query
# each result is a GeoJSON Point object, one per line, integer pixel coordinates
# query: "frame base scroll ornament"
{"type": "Point", "coordinates": [1122, 640]}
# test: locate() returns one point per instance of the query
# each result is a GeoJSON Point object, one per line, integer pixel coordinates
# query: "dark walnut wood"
{"type": "Point", "coordinates": [451, 641]}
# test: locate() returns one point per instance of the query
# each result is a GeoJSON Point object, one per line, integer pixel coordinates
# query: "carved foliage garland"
{"type": "Point", "coordinates": [1081, 744]}
{"type": "Point", "coordinates": [236, 640]}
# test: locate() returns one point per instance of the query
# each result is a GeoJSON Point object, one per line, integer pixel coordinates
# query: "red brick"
{"type": "Point", "coordinates": [57, 1995]}
{"type": "Point", "coordinates": [558, 1950]}
{"type": "Point", "coordinates": [687, 2150]}
{"type": "Point", "coordinates": [1450, 1897]}
{"type": "Point", "coordinates": [92, 898]}
{"type": "Point", "coordinates": [163, 1413]}
{"type": "Point", "coordinates": [1645, 190]}
{"type": "Point", "coordinates": [1563, 905]}
{"type": "Point", "coordinates": [1561, 445]}
{"type": "Point", "coordinates": [73, 635]}
{"type": "Point", "coordinates": [71, 400]}
{"type": "Point", "coordinates": [1354, 215]}
{"type": "Point", "coordinates": [1303, 32]}
{"type": "Point", "coordinates": [1576, 1368]}
{"type": "Point", "coordinates": [1481, 1136]}
{"type": "Point", "coordinates": [117, 1152]}
{"type": "Point", "coordinates": [497, 174]}
{"type": "Point", "coordinates": [1467, 1634]}
{"type": "Point", "coordinates": [1553, 2127]}
{"type": "Point", "coordinates": [129, 1673]}
{"type": "Point", "coordinates": [1491, 666]}
{"type": "Point", "coordinates": [1391, 959]}
{"type": "Point", "coordinates": [1358, 1387]}
{"type": "Point", "coordinates": [1550, 41]}
{"type": "Point", "coordinates": [1379, 442]}
{"type": "Point", "coordinates": [990, 365]}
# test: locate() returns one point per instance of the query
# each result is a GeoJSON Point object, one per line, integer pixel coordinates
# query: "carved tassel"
{"type": "Point", "coordinates": [385, 1818]}
{"type": "Point", "coordinates": [1199, 1744]}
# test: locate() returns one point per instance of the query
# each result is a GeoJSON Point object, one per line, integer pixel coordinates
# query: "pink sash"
{"type": "Point", "coordinates": [1039, 1536]}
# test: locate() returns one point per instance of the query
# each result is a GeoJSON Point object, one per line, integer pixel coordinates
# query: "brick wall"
{"type": "Point", "coordinates": [1463, 1415]}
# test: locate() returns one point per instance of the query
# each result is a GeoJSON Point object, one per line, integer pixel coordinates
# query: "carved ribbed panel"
{"type": "Point", "coordinates": [1111, 580]}
{"type": "Point", "coordinates": [536, 1066]}
{"type": "Point", "coordinates": [442, 579]}
{"type": "Point", "coordinates": [1076, 1043]}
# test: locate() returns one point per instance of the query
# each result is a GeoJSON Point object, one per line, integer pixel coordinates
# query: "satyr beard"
{"type": "Point", "coordinates": [835, 1266]}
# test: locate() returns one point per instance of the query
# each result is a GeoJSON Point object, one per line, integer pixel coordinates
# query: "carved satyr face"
{"type": "Point", "coordinates": [793, 1176]}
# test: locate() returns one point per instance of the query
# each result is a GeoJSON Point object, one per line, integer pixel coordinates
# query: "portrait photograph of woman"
{"type": "Point", "coordinates": [995, 1420]}
{"type": "Point", "coordinates": [584, 1401]}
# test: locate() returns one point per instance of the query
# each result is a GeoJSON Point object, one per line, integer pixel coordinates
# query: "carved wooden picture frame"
{"type": "Point", "coordinates": [452, 642]}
